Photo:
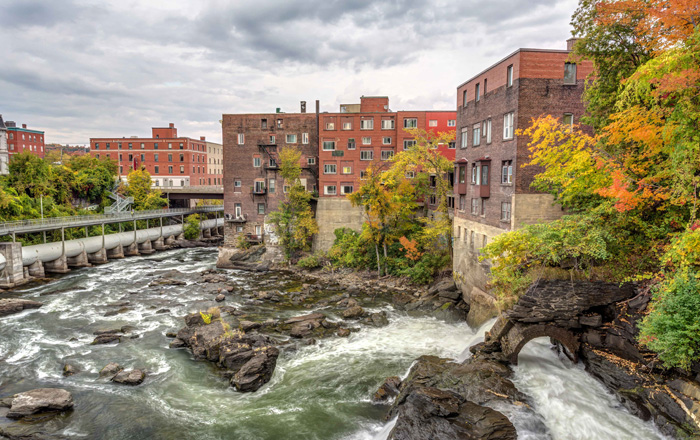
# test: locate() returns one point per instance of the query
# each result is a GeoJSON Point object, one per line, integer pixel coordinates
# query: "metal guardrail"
{"type": "Point", "coordinates": [46, 224]}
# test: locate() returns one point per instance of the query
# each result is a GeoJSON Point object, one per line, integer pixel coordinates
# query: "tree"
{"type": "Point", "coordinates": [29, 174]}
{"type": "Point", "coordinates": [294, 220]}
{"type": "Point", "coordinates": [139, 187]}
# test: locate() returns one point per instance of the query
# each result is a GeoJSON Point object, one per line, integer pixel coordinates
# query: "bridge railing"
{"type": "Point", "coordinates": [80, 220]}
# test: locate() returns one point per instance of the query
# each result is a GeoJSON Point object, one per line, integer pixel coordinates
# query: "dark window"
{"type": "Point", "coordinates": [569, 73]}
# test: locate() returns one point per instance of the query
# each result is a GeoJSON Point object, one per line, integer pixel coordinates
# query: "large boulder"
{"type": "Point", "coordinates": [129, 377]}
{"type": "Point", "coordinates": [8, 306]}
{"type": "Point", "coordinates": [40, 400]}
{"type": "Point", "coordinates": [110, 369]}
{"type": "Point", "coordinates": [257, 371]}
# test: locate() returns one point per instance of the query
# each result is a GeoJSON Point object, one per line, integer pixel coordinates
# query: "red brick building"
{"type": "Point", "coordinates": [492, 187]}
{"type": "Point", "coordinates": [360, 134]}
{"type": "Point", "coordinates": [20, 139]}
{"type": "Point", "coordinates": [172, 161]}
{"type": "Point", "coordinates": [253, 186]}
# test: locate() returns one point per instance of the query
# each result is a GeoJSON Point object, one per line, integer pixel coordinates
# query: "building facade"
{"type": "Point", "coordinates": [492, 183]}
{"type": "Point", "coordinates": [215, 163]}
{"type": "Point", "coordinates": [21, 139]}
{"type": "Point", "coordinates": [171, 161]}
{"type": "Point", "coordinates": [253, 186]}
{"type": "Point", "coordinates": [4, 153]}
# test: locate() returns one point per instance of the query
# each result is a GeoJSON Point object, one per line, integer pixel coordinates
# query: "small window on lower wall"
{"type": "Point", "coordinates": [329, 190]}
{"type": "Point", "coordinates": [505, 211]}
{"type": "Point", "coordinates": [261, 208]}
{"type": "Point", "coordinates": [346, 189]}
{"type": "Point", "coordinates": [475, 206]}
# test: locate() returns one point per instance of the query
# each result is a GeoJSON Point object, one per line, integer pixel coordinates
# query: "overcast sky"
{"type": "Point", "coordinates": [79, 69]}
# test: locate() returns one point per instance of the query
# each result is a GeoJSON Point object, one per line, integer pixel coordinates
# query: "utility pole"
{"type": "Point", "coordinates": [41, 203]}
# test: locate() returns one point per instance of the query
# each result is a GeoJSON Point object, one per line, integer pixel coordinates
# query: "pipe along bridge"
{"type": "Point", "coordinates": [19, 264]}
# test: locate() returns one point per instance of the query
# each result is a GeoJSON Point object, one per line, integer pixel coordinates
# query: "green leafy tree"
{"type": "Point", "coordinates": [138, 186]}
{"type": "Point", "coordinates": [29, 174]}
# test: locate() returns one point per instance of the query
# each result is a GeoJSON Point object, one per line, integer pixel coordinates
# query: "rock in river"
{"type": "Point", "coordinates": [8, 306]}
{"type": "Point", "coordinates": [129, 377]}
{"type": "Point", "coordinates": [40, 400]}
{"type": "Point", "coordinates": [111, 369]}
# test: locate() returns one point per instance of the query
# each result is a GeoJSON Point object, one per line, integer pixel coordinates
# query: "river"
{"type": "Point", "coordinates": [319, 391]}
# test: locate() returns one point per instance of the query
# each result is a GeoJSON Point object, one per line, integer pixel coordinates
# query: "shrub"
{"type": "Point", "coordinates": [672, 328]}
{"type": "Point", "coordinates": [311, 262]}
{"type": "Point", "coordinates": [191, 227]}
{"type": "Point", "coordinates": [242, 243]}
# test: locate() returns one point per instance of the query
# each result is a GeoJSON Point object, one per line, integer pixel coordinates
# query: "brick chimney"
{"type": "Point", "coordinates": [171, 125]}
{"type": "Point", "coordinates": [24, 125]}
{"type": "Point", "coordinates": [570, 43]}
{"type": "Point", "coordinates": [303, 106]}
{"type": "Point", "coordinates": [202, 138]}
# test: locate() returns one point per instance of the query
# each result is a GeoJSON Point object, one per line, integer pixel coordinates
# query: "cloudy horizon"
{"type": "Point", "coordinates": [84, 68]}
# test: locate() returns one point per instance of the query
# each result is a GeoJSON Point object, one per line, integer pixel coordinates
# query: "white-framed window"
{"type": "Point", "coordinates": [170, 146]}
{"type": "Point", "coordinates": [462, 204]}
{"type": "Point", "coordinates": [261, 211]}
{"type": "Point", "coordinates": [410, 174]}
{"type": "Point", "coordinates": [329, 190]}
{"type": "Point", "coordinates": [367, 124]}
{"type": "Point", "coordinates": [451, 122]}
{"type": "Point", "coordinates": [347, 125]}
{"type": "Point", "coordinates": [475, 206]}
{"type": "Point", "coordinates": [465, 136]}
{"type": "Point", "coordinates": [257, 162]}
{"type": "Point", "coordinates": [272, 139]}
{"type": "Point", "coordinates": [386, 140]}
{"type": "Point", "coordinates": [259, 187]}
{"type": "Point", "coordinates": [291, 139]}
{"type": "Point", "coordinates": [366, 155]}
{"type": "Point", "coordinates": [285, 189]}
{"type": "Point", "coordinates": [487, 130]}
{"type": "Point", "coordinates": [410, 123]}
{"type": "Point", "coordinates": [330, 125]}
{"type": "Point", "coordinates": [363, 175]}
{"type": "Point", "coordinates": [387, 154]}
{"type": "Point", "coordinates": [569, 73]}
{"type": "Point", "coordinates": [366, 140]}
{"type": "Point", "coordinates": [507, 171]}
{"type": "Point", "coordinates": [475, 174]}
{"type": "Point", "coordinates": [408, 143]}
{"type": "Point", "coordinates": [237, 184]}
{"type": "Point", "coordinates": [347, 169]}
{"type": "Point", "coordinates": [476, 135]}
{"type": "Point", "coordinates": [568, 120]}
{"type": "Point", "coordinates": [241, 138]}
{"type": "Point", "coordinates": [238, 210]}
{"type": "Point", "coordinates": [305, 138]}
{"type": "Point", "coordinates": [509, 76]}
{"type": "Point", "coordinates": [508, 126]}
{"type": "Point", "coordinates": [311, 161]}
{"type": "Point", "coordinates": [351, 144]}
{"type": "Point", "coordinates": [505, 211]}
{"type": "Point", "coordinates": [388, 124]}
{"type": "Point", "coordinates": [329, 168]}
{"type": "Point", "coordinates": [328, 145]}
{"type": "Point", "coordinates": [346, 189]}
{"type": "Point", "coordinates": [452, 145]}
{"type": "Point", "coordinates": [477, 92]}
{"type": "Point", "coordinates": [483, 214]}
{"type": "Point", "coordinates": [432, 123]}
{"type": "Point", "coordinates": [182, 169]}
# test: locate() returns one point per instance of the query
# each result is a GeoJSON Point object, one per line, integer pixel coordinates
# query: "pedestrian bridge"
{"type": "Point", "coordinates": [20, 263]}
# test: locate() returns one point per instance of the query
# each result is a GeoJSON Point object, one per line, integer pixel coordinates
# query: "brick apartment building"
{"type": "Point", "coordinates": [20, 139]}
{"type": "Point", "coordinates": [492, 188]}
{"type": "Point", "coordinates": [369, 132]}
{"type": "Point", "coordinates": [172, 161]}
{"type": "Point", "coordinates": [253, 186]}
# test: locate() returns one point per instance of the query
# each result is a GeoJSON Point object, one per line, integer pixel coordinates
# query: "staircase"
{"type": "Point", "coordinates": [120, 204]}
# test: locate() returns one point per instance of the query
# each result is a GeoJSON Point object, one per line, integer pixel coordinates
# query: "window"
{"type": "Point", "coordinates": [433, 199]}
{"type": "Point", "coordinates": [505, 211]}
{"type": "Point", "coordinates": [273, 163]}
{"type": "Point", "coordinates": [465, 136]}
{"type": "Point", "coordinates": [462, 175]}
{"type": "Point", "coordinates": [386, 140]}
{"type": "Point", "coordinates": [387, 124]}
{"type": "Point", "coordinates": [408, 143]}
{"type": "Point", "coordinates": [182, 145]}
{"type": "Point", "coordinates": [464, 98]}
{"type": "Point", "coordinates": [346, 189]}
{"type": "Point", "coordinates": [483, 207]}
{"type": "Point", "coordinates": [257, 162]}
{"type": "Point", "coordinates": [119, 145]}
{"type": "Point", "coordinates": [131, 146]}
{"type": "Point", "coordinates": [452, 123]}
{"type": "Point", "coordinates": [366, 155]}
{"type": "Point", "coordinates": [475, 174]}
{"type": "Point", "coordinates": [156, 169]}
{"type": "Point", "coordinates": [509, 76]}
{"type": "Point", "coordinates": [475, 206]}
{"type": "Point", "coordinates": [330, 125]}
{"type": "Point", "coordinates": [477, 92]}
{"type": "Point", "coordinates": [182, 157]}
{"type": "Point", "coordinates": [387, 154]}
{"type": "Point", "coordinates": [131, 157]}
{"type": "Point", "coordinates": [347, 169]}
{"type": "Point", "coordinates": [182, 169]}
{"type": "Point", "coordinates": [568, 120]}
{"type": "Point", "coordinates": [329, 168]}
{"type": "Point", "coordinates": [241, 138]}
{"type": "Point", "coordinates": [263, 123]}
{"type": "Point", "coordinates": [476, 135]}
{"type": "Point", "coordinates": [569, 73]}
{"type": "Point", "coordinates": [507, 171]}
{"type": "Point", "coordinates": [170, 157]}
{"type": "Point", "coordinates": [347, 125]}
{"type": "Point", "coordinates": [487, 130]}
{"type": "Point", "coordinates": [462, 202]}
{"type": "Point", "coordinates": [279, 123]}
{"type": "Point", "coordinates": [143, 157]}
{"type": "Point", "coordinates": [366, 140]}
{"type": "Point", "coordinates": [351, 144]}
{"type": "Point", "coordinates": [291, 139]}
{"type": "Point", "coordinates": [485, 86]}
{"type": "Point", "coordinates": [305, 138]}
{"type": "Point", "coordinates": [452, 145]}
{"type": "Point", "coordinates": [410, 174]}
{"type": "Point", "coordinates": [328, 145]}
{"type": "Point", "coordinates": [237, 184]}
{"type": "Point", "coordinates": [285, 189]}
{"type": "Point", "coordinates": [508, 126]}
{"type": "Point", "coordinates": [155, 146]}
{"type": "Point", "coordinates": [311, 161]}
{"type": "Point", "coordinates": [272, 139]}
{"type": "Point", "coordinates": [170, 169]}
{"type": "Point", "coordinates": [410, 123]}
{"type": "Point", "coordinates": [367, 124]}
{"type": "Point", "coordinates": [484, 174]}
{"type": "Point", "coordinates": [155, 157]}
{"type": "Point", "coordinates": [261, 209]}
{"type": "Point", "coordinates": [329, 190]}
{"type": "Point", "coordinates": [432, 123]}
{"type": "Point", "coordinates": [363, 175]}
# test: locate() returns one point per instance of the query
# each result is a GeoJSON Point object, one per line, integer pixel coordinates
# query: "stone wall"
{"type": "Point", "coordinates": [331, 214]}
{"type": "Point", "coordinates": [528, 209]}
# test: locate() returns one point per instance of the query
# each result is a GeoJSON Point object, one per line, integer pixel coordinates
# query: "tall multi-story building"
{"type": "Point", "coordinates": [172, 161]}
{"type": "Point", "coordinates": [20, 139]}
{"type": "Point", "coordinates": [215, 163]}
{"type": "Point", "coordinates": [492, 188]}
{"type": "Point", "coordinates": [4, 154]}
{"type": "Point", "coordinates": [253, 186]}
